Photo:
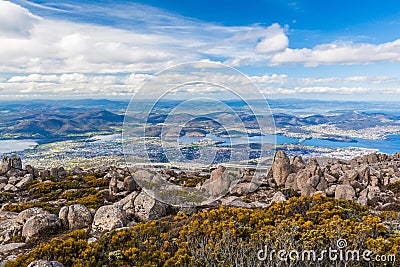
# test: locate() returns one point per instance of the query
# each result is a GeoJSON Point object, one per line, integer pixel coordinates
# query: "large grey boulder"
{"type": "Point", "coordinates": [129, 184]}
{"type": "Point", "coordinates": [16, 162]}
{"type": "Point", "coordinates": [291, 181]}
{"type": "Point", "coordinates": [75, 216]}
{"type": "Point", "coordinates": [148, 208]}
{"type": "Point", "coordinates": [298, 163]}
{"type": "Point", "coordinates": [25, 215]}
{"type": "Point", "coordinates": [7, 228]}
{"type": "Point", "coordinates": [27, 178]}
{"type": "Point", "coordinates": [5, 165]}
{"type": "Point", "coordinates": [39, 225]}
{"type": "Point", "coordinates": [108, 218]}
{"type": "Point", "coordinates": [128, 204]}
{"type": "Point", "coordinates": [345, 192]}
{"type": "Point", "coordinates": [281, 167]}
{"type": "Point", "coordinates": [43, 263]}
{"type": "Point", "coordinates": [219, 183]}
{"type": "Point", "coordinates": [113, 186]}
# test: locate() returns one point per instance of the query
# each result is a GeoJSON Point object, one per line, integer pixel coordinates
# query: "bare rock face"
{"type": "Point", "coordinates": [5, 165]}
{"type": "Point", "coordinates": [291, 181]}
{"type": "Point", "coordinates": [43, 263]}
{"type": "Point", "coordinates": [364, 174]}
{"type": "Point", "coordinates": [345, 192]}
{"type": "Point", "coordinates": [27, 178]}
{"type": "Point", "coordinates": [217, 173]}
{"type": "Point", "coordinates": [25, 215]}
{"type": "Point", "coordinates": [129, 184]}
{"type": "Point", "coordinates": [219, 183]}
{"type": "Point", "coordinates": [113, 186]}
{"type": "Point", "coordinates": [40, 224]}
{"type": "Point", "coordinates": [281, 167]}
{"type": "Point", "coordinates": [298, 163]}
{"type": "Point", "coordinates": [148, 208]}
{"type": "Point", "coordinates": [128, 205]}
{"type": "Point", "coordinates": [75, 217]}
{"type": "Point", "coordinates": [108, 218]}
{"type": "Point", "coordinates": [302, 178]}
{"type": "Point", "coordinates": [16, 163]}
{"type": "Point", "coordinates": [371, 158]}
{"type": "Point", "coordinates": [313, 167]}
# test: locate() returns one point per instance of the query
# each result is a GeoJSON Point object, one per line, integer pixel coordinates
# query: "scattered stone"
{"type": "Point", "coordinates": [44, 263]}
{"type": "Point", "coordinates": [278, 197]}
{"type": "Point", "coordinates": [10, 188]}
{"type": "Point", "coordinates": [5, 248]}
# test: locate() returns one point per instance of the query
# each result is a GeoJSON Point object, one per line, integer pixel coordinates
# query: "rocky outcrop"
{"type": "Point", "coordinates": [128, 205]}
{"type": "Point", "coordinates": [219, 183]}
{"type": "Point", "coordinates": [108, 218]}
{"type": "Point", "coordinates": [148, 208]}
{"type": "Point", "coordinates": [345, 192]}
{"type": "Point", "coordinates": [13, 165]}
{"type": "Point", "coordinates": [75, 217]}
{"type": "Point", "coordinates": [5, 165]}
{"type": "Point", "coordinates": [39, 225]}
{"type": "Point", "coordinates": [281, 167]}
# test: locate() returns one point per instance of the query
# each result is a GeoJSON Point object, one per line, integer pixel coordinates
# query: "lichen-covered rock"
{"type": "Point", "coordinates": [27, 178]}
{"type": "Point", "coordinates": [281, 167]}
{"type": "Point", "coordinates": [75, 216]}
{"type": "Point", "coordinates": [108, 218]}
{"type": "Point", "coordinates": [345, 192]}
{"type": "Point", "coordinates": [129, 184]}
{"type": "Point", "coordinates": [148, 208]}
{"type": "Point", "coordinates": [127, 204]}
{"type": "Point", "coordinates": [40, 224]}
{"type": "Point", "coordinates": [24, 215]}
{"type": "Point", "coordinates": [5, 165]}
{"type": "Point", "coordinates": [16, 162]}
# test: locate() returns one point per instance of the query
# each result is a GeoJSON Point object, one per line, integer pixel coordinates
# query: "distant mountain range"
{"type": "Point", "coordinates": [44, 119]}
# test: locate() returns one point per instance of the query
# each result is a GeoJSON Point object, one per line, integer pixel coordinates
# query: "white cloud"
{"type": "Point", "coordinates": [350, 79]}
{"type": "Point", "coordinates": [340, 53]}
{"type": "Point", "coordinates": [15, 21]}
{"type": "Point", "coordinates": [275, 40]}
{"type": "Point", "coordinates": [274, 78]}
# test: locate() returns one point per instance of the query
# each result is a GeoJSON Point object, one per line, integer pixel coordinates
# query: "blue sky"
{"type": "Point", "coordinates": [347, 50]}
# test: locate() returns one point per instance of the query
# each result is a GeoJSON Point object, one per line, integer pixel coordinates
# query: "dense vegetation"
{"type": "Point", "coordinates": [51, 195]}
{"type": "Point", "coordinates": [230, 237]}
